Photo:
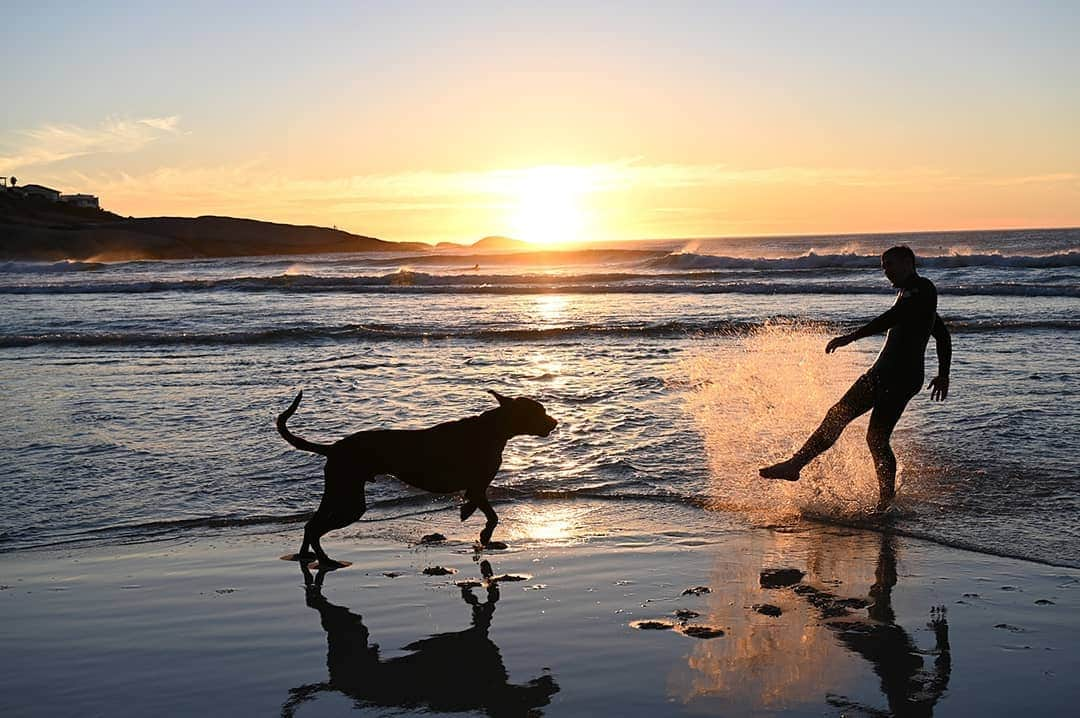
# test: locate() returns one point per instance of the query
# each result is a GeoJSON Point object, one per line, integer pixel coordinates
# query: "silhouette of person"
{"type": "Point", "coordinates": [446, 672]}
{"type": "Point", "coordinates": [909, 688]}
{"type": "Point", "coordinates": [895, 377]}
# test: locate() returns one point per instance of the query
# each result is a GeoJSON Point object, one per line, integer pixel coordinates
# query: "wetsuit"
{"type": "Point", "coordinates": [889, 384]}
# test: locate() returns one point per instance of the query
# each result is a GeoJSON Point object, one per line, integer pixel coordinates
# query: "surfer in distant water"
{"type": "Point", "coordinates": [895, 377]}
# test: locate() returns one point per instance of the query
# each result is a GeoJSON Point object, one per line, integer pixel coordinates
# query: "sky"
{"type": "Point", "coordinates": [553, 122]}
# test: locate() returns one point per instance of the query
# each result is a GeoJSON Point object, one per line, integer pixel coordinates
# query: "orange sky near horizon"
{"type": "Point", "coordinates": [619, 201]}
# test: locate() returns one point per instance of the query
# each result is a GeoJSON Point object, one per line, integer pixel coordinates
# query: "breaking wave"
{"type": "Point", "coordinates": [389, 332]}
{"type": "Point", "coordinates": [406, 282]}
{"type": "Point", "coordinates": [813, 260]}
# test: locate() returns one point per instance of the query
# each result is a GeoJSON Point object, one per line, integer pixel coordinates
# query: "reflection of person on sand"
{"type": "Point", "coordinates": [895, 377]}
{"type": "Point", "coordinates": [910, 689]}
{"type": "Point", "coordinates": [447, 672]}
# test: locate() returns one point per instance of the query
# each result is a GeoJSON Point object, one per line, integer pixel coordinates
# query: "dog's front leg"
{"type": "Point", "coordinates": [492, 519]}
{"type": "Point", "coordinates": [467, 508]}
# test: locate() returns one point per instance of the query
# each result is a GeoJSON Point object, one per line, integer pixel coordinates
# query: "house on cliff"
{"type": "Point", "coordinates": [81, 200]}
{"type": "Point", "coordinates": [37, 190]}
{"type": "Point", "coordinates": [87, 201]}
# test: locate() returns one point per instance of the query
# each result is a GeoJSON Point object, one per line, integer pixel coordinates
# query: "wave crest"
{"type": "Point", "coordinates": [851, 260]}
{"type": "Point", "coordinates": [391, 332]}
{"type": "Point", "coordinates": [411, 282]}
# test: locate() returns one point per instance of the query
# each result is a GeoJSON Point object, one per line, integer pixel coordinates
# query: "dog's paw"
{"type": "Point", "coordinates": [301, 557]}
{"type": "Point", "coordinates": [467, 510]}
{"type": "Point", "coordinates": [328, 565]}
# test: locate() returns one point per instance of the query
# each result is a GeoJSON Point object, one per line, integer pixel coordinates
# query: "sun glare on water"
{"type": "Point", "coordinates": [549, 525]}
{"type": "Point", "coordinates": [548, 205]}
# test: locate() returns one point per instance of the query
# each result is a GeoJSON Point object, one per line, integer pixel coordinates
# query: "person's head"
{"type": "Point", "coordinates": [899, 264]}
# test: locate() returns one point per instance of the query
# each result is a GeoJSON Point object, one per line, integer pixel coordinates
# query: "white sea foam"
{"type": "Point", "coordinates": [756, 399]}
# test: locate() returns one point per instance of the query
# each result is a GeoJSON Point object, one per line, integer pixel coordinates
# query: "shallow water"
{"type": "Point", "coordinates": [140, 396]}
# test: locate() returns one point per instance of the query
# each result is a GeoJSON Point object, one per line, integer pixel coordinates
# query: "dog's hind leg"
{"type": "Point", "coordinates": [312, 531]}
{"type": "Point", "coordinates": [467, 508]}
{"type": "Point", "coordinates": [305, 553]}
{"type": "Point", "coordinates": [342, 504]}
{"type": "Point", "coordinates": [337, 517]}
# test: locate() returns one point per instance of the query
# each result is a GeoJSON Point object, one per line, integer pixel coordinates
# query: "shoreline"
{"type": "Point", "coordinates": [387, 511]}
{"type": "Point", "coordinates": [218, 622]}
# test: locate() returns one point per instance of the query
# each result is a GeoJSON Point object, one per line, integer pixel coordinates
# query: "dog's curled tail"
{"type": "Point", "coordinates": [296, 441]}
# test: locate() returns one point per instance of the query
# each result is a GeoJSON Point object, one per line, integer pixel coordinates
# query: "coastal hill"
{"type": "Point", "coordinates": [496, 243]}
{"type": "Point", "coordinates": [38, 230]}
{"type": "Point", "coordinates": [501, 243]}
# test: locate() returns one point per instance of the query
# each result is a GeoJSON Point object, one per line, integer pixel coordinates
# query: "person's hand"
{"type": "Point", "coordinates": [939, 388]}
{"type": "Point", "coordinates": [836, 343]}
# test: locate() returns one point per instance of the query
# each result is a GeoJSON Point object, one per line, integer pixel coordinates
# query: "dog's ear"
{"type": "Point", "coordinates": [503, 401]}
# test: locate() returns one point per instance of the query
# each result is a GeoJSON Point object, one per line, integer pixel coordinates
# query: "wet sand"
{"type": "Point", "coordinates": [592, 610]}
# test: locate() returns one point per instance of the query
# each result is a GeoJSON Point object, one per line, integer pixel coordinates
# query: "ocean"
{"type": "Point", "coordinates": [139, 397]}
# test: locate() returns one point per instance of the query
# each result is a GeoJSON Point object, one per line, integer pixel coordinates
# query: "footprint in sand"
{"type": "Point", "coordinates": [509, 577]}
{"type": "Point", "coordinates": [1009, 627]}
{"type": "Point", "coordinates": [439, 571]}
{"type": "Point", "coordinates": [691, 631]}
{"type": "Point", "coordinates": [780, 577]}
{"type": "Point", "coordinates": [701, 631]}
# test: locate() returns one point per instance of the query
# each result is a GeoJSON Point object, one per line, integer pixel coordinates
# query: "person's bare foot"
{"type": "Point", "coordinates": [786, 470]}
{"type": "Point", "coordinates": [885, 505]}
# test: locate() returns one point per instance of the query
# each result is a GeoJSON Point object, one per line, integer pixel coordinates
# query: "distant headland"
{"type": "Point", "coordinates": [40, 224]}
{"type": "Point", "coordinates": [495, 243]}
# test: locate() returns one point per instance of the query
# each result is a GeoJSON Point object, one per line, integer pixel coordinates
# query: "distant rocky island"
{"type": "Point", "coordinates": [493, 243]}
{"type": "Point", "coordinates": [34, 228]}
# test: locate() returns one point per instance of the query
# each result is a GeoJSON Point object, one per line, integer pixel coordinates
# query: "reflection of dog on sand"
{"type": "Point", "coordinates": [454, 456]}
{"type": "Point", "coordinates": [446, 672]}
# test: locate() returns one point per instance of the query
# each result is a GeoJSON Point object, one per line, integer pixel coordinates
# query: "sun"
{"type": "Point", "coordinates": [548, 205]}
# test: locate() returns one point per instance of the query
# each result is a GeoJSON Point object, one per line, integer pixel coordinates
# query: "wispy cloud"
{"type": "Point", "coordinates": [1048, 178]}
{"type": "Point", "coordinates": [56, 142]}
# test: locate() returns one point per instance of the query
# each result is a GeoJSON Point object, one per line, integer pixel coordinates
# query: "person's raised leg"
{"type": "Point", "coordinates": [858, 400]}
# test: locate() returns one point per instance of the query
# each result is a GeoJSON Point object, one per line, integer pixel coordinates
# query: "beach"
{"type": "Point", "coordinates": [149, 497]}
{"type": "Point", "coordinates": [217, 623]}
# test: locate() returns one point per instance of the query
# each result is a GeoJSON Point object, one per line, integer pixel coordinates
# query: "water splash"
{"type": "Point", "coordinates": [756, 398]}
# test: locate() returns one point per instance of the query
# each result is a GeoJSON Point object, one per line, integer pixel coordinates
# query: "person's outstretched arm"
{"type": "Point", "coordinates": [886, 321]}
{"type": "Point", "coordinates": [939, 385]}
{"type": "Point", "coordinates": [920, 304]}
